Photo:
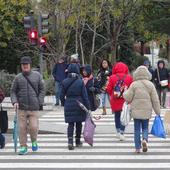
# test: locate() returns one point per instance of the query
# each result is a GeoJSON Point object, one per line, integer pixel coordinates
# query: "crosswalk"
{"type": "Point", "coordinates": [106, 154]}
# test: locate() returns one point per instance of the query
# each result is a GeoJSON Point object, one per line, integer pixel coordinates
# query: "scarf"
{"type": "Point", "coordinates": [86, 79]}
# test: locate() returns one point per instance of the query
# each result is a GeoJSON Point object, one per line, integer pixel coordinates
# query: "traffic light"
{"type": "Point", "coordinates": [33, 37]}
{"type": "Point", "coordinates": [43, 25]}
{"type": "Point", "coordinates": [29, 22]}
{"type": "Point", "coordinates": [42, 42]}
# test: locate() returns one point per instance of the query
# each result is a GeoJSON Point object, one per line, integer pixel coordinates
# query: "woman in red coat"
{"type": "Point", "coordinates": [118, 82]}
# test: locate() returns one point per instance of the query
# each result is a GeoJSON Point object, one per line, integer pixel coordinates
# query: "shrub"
{"type": "Point", "coordinates": [6, 81]}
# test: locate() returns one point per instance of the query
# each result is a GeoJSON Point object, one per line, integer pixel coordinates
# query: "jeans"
{"type": "Point", "coordinates": [70, 131]}
{"type": "Point", "coordinates": [58, 88]}
{"type": "Point", "coordinates": [138, 124]}
{"type": "Point", "coordinates": [119, 127]}
{"type": "Point", "coordinates": [162, 95]}
{"type": "Point", "coordinates": [104, 95]}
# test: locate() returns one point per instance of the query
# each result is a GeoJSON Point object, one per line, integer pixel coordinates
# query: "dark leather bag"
{"type": "Point", "coordinates": [3, 121]}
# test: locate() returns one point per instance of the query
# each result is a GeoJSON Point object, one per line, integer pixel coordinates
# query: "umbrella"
{"type": "Point", "coordinates": [15, 131]}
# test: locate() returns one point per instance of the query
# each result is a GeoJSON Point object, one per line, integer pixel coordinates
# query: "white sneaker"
{"type": "Point", "coordinates": [122, 137]}
{"type": "Point", "coordinates": [118, 135]}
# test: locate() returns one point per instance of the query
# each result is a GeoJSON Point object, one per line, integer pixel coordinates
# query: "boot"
{"type": "Point", "coordinates": [104, 111]}
{"type": "Point", "coordinates": [70, 144]}
{"type": "Point", "coordinates": [78, 142]}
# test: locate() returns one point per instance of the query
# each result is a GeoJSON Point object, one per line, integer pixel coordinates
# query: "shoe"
{"type": "Point", "coordinates": [144, 146]}
{"type": "Point", "coordinates": [34, 146]}
{"type": "Point", "coordinates": [104, 111]}
{"type": "Point", "coordinates": [118, 135]}
{"type": "Point", "coordinates": [137, 151]}
{"type": "Point", "coordinates": [70, 147]}
{"type": "Point", "coordinates": [57, 104]}
{"type": "Point", "coordinates": [23, 150]}
{"type": "Point", "coordinates": [121, 137]}
{"type": "Point", "coordinates": [79, 144]}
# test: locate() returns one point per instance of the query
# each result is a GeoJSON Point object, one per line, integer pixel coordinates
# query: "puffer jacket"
{"type": "Point", "coordinates": [73, 90]}
{"type": "Point", "coordinates": [120, 69]}
{"type": "Point", "coordinates": [142, 95]}
{"type": "Point", "coordinates": [23, 93]}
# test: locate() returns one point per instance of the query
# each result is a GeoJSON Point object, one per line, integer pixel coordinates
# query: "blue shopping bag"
{"type": "Point", "coordinates": [158, 127]}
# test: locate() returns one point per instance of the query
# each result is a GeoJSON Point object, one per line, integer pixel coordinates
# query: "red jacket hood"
{"type": "Point", "coordinates": [120, 68]}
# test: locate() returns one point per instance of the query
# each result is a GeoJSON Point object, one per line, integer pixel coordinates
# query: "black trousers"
{"type": "Point", "coordinates": [70, 131]}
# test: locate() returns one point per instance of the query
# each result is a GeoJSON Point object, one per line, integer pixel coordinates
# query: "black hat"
{"type": "Point", "coordinates": [25, 60]}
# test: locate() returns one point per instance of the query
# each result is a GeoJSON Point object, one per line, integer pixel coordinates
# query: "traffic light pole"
{"type": "Point", "coordinates": [41, 52]}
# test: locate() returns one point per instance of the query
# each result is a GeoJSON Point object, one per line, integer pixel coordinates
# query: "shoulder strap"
{"type": "Point", "coordinates": [158, 74]}
{"type": "Point", "coordinates": [28, 80]}
{"type": "Point", "coordinates": [69, 85]}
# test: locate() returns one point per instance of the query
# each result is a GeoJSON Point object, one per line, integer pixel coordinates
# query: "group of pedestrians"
{"type": "Point", "coordinates": [75, 83]}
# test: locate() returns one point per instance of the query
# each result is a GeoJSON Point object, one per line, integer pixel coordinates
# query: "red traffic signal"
{"type": "Point", "coordinates": [33, 37]}
{"type": "Point", "coordinates": [43, 40]}
{"type": "Point", "coordinates": [33, 34]}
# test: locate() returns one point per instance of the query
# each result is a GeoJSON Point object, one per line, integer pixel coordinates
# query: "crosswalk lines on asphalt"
{"type": "Point", "coordinates": [107, 153]}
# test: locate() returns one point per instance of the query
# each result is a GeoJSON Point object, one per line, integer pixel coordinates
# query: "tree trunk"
{"type": "Point", "coordinates": [168, 50]}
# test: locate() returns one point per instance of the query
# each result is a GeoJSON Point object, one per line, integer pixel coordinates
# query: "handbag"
{"type": "Point", "coordinates": [167, 122]}
{"type": "Point", "coordinates": [163, 83]}
{"type": "Point", "coordinates": [96, 99]}
{"type": "Point", "coordinates": [3, 120]}
{"type": "Point", "coordinates": [158, 127]}
{"type": "Point", "coordinates": [125, 114]}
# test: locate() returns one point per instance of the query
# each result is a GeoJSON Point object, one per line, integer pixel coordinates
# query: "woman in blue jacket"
{"type": "Point", "coordinates": [73, 90]}
{"type": "Point", "coordinates": [91, 85]}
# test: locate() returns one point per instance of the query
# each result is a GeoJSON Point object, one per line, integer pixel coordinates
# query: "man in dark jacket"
{"type": "Point", "coordinates": [59, 74]}
{"type": "Point", "coordinates": [27, 94]}
{"type": "Point", "coordinates": [2, 137]}
{"type": "Point", "coordinates": [73, 89]}
{"type": "Point", "coordinates": [161, 74]}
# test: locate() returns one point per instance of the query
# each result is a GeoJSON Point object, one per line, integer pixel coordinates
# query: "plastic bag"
{"type": "Point", "coordinates": [125, 114]}
{"type": "Point", "coordinates": [89, 129]}
{"type": "Point", "coordinates": [158, 127]}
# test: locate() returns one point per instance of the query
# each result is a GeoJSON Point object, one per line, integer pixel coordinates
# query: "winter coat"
{"type": "Point", "coordinates": [71, 93]}
{"type": "Point", "coordinates": [102, 77]}
{"type": "Point", "coordinates": [163, 74]}
{"type": "Point", "coordinates": [24, 94]}
{"type": "Point", "coordinates": [91, 83]}
{"type": "Point", "coordinates": [59, 71]}
{"type": "Point", "coordinates": [120, 70]}
{"type": "Point", "coordinates": [2, 95]}
{"type": "Point", "coordinates": [142, 95]}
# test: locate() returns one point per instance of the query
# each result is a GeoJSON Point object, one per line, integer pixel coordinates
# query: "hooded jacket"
{"type": "Point", "coordinates": [92, 82]}
{"type": "Point", "coordinates": [142, 95]}
{"type": "Point", "coordinates": [73, 89]}
{"type": "Point", "coordinates": [163, 74]}
{"type": "Point", "coordinates": [121, 70]}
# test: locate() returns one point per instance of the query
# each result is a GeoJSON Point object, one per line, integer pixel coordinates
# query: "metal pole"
{"type": "Point", "coordinates": [40, 35]}
{"type": "Point", "coordinates": [152, 54]}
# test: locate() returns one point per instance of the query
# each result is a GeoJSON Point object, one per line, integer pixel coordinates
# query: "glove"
{"type": "Point", "coordinates": [92, 89]}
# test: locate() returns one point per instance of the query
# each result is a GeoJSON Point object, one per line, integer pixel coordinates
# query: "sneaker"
{"type": "Point", "coordinates": [23, 150]}
{"type": "Point", "coordinates": [144, 146]}
{"type": "Point", "coordinates": [34, 146]}
{"type": "Point", "coordinates": [137, 151]}
{"type": "Point", "coordinates": [122, 137]}
{"type": "Point", "coordinates": [70, 147]}
{"type": "Point", "coordinates": [57, 104]}
{"type": "Point", "coordinates": [118, 135]}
